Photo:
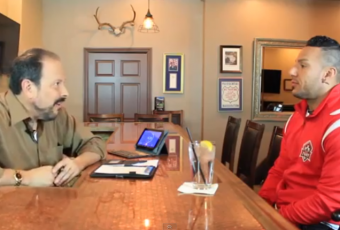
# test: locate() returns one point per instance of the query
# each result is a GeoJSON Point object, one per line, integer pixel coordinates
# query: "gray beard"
{"type": "Point", "coordinates": [45, 114]}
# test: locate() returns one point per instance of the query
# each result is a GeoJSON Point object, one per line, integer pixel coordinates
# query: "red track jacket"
{"type": "Point", "coordinates": [305, 179]}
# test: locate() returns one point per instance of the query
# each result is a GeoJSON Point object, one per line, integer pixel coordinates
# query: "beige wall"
{"type": "Point", "coordinates": [238, 23]}
{"type": "Point", "coordinates": [31, 25]}
{"type": "Point", "coordinates": [69, 26]}
{"type": "Point", "coordinates": [12, 9]}
{"type": "Point", "coordinates": [280, 59]}
{"type": "Point", "coordinates": [28, 14]}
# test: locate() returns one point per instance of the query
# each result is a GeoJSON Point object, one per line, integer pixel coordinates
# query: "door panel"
{"type": "Point", "coordinates": [130, 101]}
{"type": "Point", "coordinates": [103, 93]}
{"type": "Point", "coordinates": [117, 82]}
{"type": "Point", "coordinates": [105, 68]}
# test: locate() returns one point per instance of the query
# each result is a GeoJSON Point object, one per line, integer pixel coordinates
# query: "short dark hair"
{"type": "Point", "coordinates": [331, 51]}
{"type": "Point", "coordinates": [28, 66]}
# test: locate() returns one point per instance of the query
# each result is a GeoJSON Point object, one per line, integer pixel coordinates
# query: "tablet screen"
{"type": "Point", "coordinates": [149, 138]}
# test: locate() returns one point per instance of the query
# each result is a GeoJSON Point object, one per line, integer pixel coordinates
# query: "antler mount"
{"type": "Point", "coordinates": [115, 30]}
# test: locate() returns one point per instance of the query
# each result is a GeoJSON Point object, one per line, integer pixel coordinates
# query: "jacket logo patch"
{"type": "Point", "coordinates": [306, 151]}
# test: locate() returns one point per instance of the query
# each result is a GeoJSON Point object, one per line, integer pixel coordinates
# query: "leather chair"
{"type": "Point", "coordinates": [153, 117]}
{"type": "Point", "coordinates": [176, 116]}
{"type": "Point", "coordinates": [273, 153]}
{"type": "Point", "coordinates": [250, 145]}
{"type": "Point", "coordinates": [116, 117]}
{"type": "Point", "coordinates": [229, 143]}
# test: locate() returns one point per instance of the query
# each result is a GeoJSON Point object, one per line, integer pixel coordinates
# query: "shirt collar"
{"type": "Point", "coordinates": [16, 109]}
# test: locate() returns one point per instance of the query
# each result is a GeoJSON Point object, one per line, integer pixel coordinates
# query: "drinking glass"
{"type": "Point", "coordinates": [202, 163]}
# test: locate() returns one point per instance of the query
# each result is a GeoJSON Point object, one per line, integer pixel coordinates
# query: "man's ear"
{"type": "Point", "coordinates": [27, 88]}
{"type": "Point", "coordinates": [329, 75]}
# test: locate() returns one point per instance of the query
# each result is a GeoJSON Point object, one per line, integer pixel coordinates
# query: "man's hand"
{"type": "Point", "coordinates": [39, 177]}
{"type": "Point", "coordinates": [65, 170]}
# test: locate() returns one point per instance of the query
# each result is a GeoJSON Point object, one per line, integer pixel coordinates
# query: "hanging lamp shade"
{"type": "Point", "coordinates": [148, 25]}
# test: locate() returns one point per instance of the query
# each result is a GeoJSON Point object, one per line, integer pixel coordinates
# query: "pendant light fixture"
{"type": "Point", "coordinates": [148, 25]}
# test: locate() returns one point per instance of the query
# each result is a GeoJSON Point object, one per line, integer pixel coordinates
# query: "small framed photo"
{"type": "Point", "coordinates": [230, 59]}
{"type": "Point", "coordinates": [173, 73]}
{"type": "Point", "coordinates": [230, 94]}
{"type": "Point", "coordinates": [287, 85]}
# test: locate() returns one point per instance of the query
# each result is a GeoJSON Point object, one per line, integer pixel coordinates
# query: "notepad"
{"type": "Point", "coordinates": [110, 169]}
{"type": "Point", "coordinates": [126, 169]}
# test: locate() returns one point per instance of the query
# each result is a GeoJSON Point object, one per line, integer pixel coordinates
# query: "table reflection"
{"type": "Point", "coordinates": [103, 129]}
{"type": "Point", "coordinates": [174, 144]}
{"type": "Point", "coordinates": [200, 212]}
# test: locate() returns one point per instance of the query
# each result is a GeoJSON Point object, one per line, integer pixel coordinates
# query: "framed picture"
{"type": "Point", "coordinates": [231, 59]}
{"type": "Point", "coordinates": [287, 84]}
{"type": "Point", "coordinates": [173, 73]}
{"type": "Point", "coordinates": [230, 94]}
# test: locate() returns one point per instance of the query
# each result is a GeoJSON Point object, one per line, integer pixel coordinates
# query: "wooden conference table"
{"type": "Point", "coordinates": [100, 204]}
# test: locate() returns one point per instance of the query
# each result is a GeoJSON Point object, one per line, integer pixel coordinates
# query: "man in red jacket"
{"type": "Point", "coordinates": [304, 183]}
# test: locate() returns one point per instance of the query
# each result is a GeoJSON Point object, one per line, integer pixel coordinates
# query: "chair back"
{"type": "Point", "coordinates": [251, 140]}
{"type": "Point", "coordinates": [274, 146]}
{"type": "Point", "coordinates": [113, 117]}
{"type": "Point", "coordinates": [273, 153]}
{"type": "Point", "coordinates": [176, 116]}
{"type": "Point", "coordinates": [229, 143]}
{"type": "Point", "coordinates": [153, 117]}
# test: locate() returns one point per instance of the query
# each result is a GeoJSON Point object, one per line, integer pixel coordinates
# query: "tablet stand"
{"type": "Point", "coordinates": [159, 149]}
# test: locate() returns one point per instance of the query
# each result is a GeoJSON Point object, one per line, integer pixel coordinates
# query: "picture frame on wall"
{"type": "Point", "coordinates": [173, 72]}
{"type": "Point", "coordinates": [230, 94]}
{"type": "Point", "coordinates": [231, 59]}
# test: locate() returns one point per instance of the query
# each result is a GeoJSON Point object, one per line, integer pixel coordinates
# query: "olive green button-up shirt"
{"type": "Point", "coordinates": [55, 138]}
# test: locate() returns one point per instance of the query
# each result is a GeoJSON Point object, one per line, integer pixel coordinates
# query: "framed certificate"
{"type": "Point", "coordinates": [173, 73]}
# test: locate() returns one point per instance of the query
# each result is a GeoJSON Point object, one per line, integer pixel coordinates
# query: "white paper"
{"type": "Point", "coordinates": [109, 169]}
{"type": "Point", "coordinates": [187, 187]}
{"type": "Point", "coordinates": [114, 161]}
{"type": "Point", "coordinates": [172, 146]}
{"type": "Point", "coordinates": [148, 163]}
{"type": "Point", "coordinates": [173, 81]}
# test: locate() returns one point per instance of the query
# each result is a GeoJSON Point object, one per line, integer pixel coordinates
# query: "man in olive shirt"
{"type": "Point", "coordinates": [40, 143]}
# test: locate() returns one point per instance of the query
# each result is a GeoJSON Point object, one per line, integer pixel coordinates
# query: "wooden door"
{"type": "Point", "coordinates": [117, 81]}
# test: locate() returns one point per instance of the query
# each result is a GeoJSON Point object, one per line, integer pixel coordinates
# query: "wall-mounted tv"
{"type": "Point", "coordinates": [9, 42]}
{"type": "Point", "coordinates": [271, 81]}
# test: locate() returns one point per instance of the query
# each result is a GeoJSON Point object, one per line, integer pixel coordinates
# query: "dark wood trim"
{"type": "Point", "coordinates": [87, 52]}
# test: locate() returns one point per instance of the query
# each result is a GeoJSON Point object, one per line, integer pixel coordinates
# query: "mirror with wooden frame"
{"type": "Point", "coordinates": [272, 99]}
